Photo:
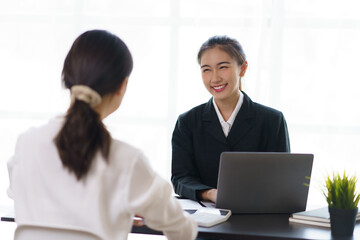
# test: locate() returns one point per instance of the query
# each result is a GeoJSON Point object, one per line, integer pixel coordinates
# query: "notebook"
{"type": "Point", "coordinates": [251, 182]}
{"type": "Point", "coordinates": [318, 217]}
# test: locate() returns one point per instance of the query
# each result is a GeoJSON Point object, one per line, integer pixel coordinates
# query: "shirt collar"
{"type": "Point", "coordinates": [234, 113]}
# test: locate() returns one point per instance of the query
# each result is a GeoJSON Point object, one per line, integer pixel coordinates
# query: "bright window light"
{"type": "Point", "coordinates": [303, 61]}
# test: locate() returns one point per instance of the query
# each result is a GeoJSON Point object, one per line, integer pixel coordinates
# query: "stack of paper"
{"type": "Point", "coordinates": [317, 217]}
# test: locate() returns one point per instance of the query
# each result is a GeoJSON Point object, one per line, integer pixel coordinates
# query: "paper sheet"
{"type": "Point", "coordinates": [189, 204]}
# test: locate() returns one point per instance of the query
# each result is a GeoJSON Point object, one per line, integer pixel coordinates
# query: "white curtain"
{"type": "Point", "coordinates": [303, 61]}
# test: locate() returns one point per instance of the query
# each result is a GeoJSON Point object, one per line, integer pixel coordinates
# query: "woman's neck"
{"type": "Point", "coordinates": [227, 106]}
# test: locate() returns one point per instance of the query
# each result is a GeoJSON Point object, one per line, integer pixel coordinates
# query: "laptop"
{"type": "Point", "coordinates": [251, 182]}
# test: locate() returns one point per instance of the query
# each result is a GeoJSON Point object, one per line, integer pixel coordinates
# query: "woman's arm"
{"type": "Point", "coordinates": [151, 197]}
{"type": "Point", "coordinates": [185, 175]}
{"type": "Point", "coordinates": [278, 138]}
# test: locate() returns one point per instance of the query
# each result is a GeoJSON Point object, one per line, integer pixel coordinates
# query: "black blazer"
{"type": "Point", "coordinates": [198, 140]}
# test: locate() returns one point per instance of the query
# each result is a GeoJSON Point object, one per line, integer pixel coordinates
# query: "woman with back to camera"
{"type": "Point", "coordinates": [71, 173]}
{"type": "Point", "coordinates": [229, 121]}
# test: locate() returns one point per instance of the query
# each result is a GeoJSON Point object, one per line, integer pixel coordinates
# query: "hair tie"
{"type": "Point", "coordinates": [85, 94]}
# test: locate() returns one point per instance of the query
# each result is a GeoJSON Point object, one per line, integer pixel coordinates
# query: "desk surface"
{"type": "Point", "coordinates": [264, 227]}
{"type": "Point", "coordinates": [256, 227]}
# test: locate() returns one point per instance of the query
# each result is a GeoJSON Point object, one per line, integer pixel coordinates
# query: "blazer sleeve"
{"type": "Point", "coordinates": [278, 139]}
{"type": "Point", "coordinates": [185, 174]}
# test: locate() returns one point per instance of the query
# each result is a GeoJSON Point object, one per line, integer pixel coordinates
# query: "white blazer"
{"type": "Point", "coordinates": [104, 202]}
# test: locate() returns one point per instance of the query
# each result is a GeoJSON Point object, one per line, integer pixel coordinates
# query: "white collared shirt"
{"type": "Point", "coordinates": [226, 126]}
{"type": "Point", "coordinates": [104, 201]}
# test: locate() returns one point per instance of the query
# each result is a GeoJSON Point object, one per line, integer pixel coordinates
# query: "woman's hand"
{"type": "Point", "coordinates": [138, 221]}
{"type": "Point", "coordinates": [209, 195]}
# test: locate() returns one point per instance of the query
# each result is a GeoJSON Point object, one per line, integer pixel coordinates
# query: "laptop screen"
{"type": "Point", "coordinates": [264, 182]}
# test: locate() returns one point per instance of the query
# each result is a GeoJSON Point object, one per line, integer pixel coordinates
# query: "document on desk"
{"type": "Point", "coordinates": [208, 217]}
{"type": "Point", "coordinates": [204, 213]}
{"type": "Point", "coordinates": [208, 204]}
{"type": "Point", "coordinates": [188, 204]}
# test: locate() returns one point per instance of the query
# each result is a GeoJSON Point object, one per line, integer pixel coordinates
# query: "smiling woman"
{"type": "Point", "coordinates": [230, 121]}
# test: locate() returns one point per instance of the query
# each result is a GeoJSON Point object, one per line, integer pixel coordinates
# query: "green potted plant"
{"type": "Point", "coordinates": [342, 200]}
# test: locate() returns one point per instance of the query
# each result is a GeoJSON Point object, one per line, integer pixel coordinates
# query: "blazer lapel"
{"type": "Point", "coordinates": [211, 122]}
{"type": "Point", "coordinates": [243, 123]}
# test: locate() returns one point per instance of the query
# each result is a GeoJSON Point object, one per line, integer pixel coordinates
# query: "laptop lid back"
{"type": "Point", "coordinates": [264, 182]}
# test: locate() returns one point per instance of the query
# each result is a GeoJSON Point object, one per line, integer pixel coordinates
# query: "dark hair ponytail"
{"type": "Point", "coordinates": [101, 61]}
{"type": "Point", "coordinates": [82, 135]}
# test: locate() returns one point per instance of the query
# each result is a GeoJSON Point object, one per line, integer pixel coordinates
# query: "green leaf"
{"type": "Point", "coordinates": [341, 191]}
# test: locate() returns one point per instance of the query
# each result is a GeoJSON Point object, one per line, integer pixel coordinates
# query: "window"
{"type": "Point", "coordinates": [302, 61]}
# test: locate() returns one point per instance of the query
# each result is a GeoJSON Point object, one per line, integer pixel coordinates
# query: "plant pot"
{"type": "Point", "coordinates": [342, 221]}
